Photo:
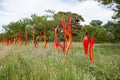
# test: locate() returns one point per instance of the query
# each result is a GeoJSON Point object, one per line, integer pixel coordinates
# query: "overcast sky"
{"type": "Point", "coordinates": [13, 10]}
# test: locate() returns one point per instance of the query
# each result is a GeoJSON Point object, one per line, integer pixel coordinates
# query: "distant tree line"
{"type": "Point", "coordinates": [110, 32]}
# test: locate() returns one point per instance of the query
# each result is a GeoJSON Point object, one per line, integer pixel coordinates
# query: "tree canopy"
{"type": "Point", "coordinates": [112, 4]}
{"type": "Point", "coordinates": [96, 23]}
{"type": "Point", "coordinates": [41, 23]}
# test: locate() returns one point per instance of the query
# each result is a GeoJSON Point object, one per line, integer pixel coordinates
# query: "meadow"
{"type": "Point", "coordinates": [30, 63]}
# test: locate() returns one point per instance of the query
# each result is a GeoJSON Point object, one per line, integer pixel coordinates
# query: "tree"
{"type": "Point", "coordinates": [102, 34]}
{"type": "Point", "coordinates": [96, 23]}
{"type": "Point", "coordinates": [40, 22]}
{"type": "Point", "coordinates": [76, 18]}
{"type": "Point", "coordinates": [67, 15]}
{"type": "Point", "coordinates": [113, 4]}
{"type": "Point", "coordinates": [113, 30]}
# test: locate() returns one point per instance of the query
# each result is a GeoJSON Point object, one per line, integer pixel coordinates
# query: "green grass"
{"type": "Point", "coordinates": [29, 63]}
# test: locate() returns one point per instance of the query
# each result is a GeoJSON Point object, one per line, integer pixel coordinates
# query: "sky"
{"type": "Point", "coordinates": [13, 10]}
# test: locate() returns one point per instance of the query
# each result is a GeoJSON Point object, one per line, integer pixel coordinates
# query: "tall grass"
{"type": "Point", "coordinates": [29, 63]}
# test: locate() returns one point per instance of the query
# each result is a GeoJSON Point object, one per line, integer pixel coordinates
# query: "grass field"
{"type": "Point", "coordinates": [29, 63]}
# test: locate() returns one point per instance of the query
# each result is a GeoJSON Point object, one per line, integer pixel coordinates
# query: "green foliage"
{"type": "Point", "coordinates": [116, 33]}
{"type": "Point", "coordinates": [109, 33]}
{"type": "Point", "coordinates": [102, 33]}
{"type": "Point", "coordinates": [76, 27]}
{"type": "Point", "coordinates": [2, 35]}
{"type": "Point", "coordinates": [113, 30]}
{"type": "Point", "coordinates": [41, 23]}
{"type": "Point", "coordinates": [112, 4]}
{"type": "Point", "coordinates": [96, 23]}
{"type": "Point", "coordinates": [76, 17]}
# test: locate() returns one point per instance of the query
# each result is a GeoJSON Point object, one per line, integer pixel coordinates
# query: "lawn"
{"type": "Point", "coordinates": [29, 63]}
